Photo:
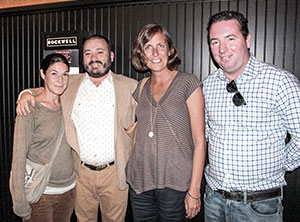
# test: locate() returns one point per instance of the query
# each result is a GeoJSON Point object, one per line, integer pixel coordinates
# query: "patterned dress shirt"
{"type": "Point", "coordinates": [93, 115]}
{"type": "Point", "coordinates": [247, 150]}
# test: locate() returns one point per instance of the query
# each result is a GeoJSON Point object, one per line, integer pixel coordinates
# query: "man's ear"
{"type": "Point", "coordinates": [248, 41]}
{"type": "Point", "coordinates": [112, 56]}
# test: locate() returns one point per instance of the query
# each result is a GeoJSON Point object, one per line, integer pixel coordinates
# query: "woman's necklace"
{"type": "Point", "coordinates": [151, 133]}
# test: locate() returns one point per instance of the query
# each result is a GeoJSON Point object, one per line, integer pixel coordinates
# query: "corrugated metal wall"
{"type": "Point", "coordinates": [274, 24]}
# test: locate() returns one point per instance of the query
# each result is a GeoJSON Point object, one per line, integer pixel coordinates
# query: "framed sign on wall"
{"type": "Point", "coordinates": [70, 44]}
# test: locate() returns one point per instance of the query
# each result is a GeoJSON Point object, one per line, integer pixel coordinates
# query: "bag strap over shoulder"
{"type": "Point", "coordinates": [58, 142]}
{"type": "Point", "coordinates": [142, 86]}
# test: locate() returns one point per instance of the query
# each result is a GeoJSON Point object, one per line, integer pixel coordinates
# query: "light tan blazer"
{"type": "Point", "coordinates": [124, 117]}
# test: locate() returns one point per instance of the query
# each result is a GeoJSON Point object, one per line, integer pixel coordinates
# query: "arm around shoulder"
{"type": "Point", "coordinates": [25, 97]}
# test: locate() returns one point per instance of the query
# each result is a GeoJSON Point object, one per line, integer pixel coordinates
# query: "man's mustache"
{"type": "Point", "coordinates": [96, 61]}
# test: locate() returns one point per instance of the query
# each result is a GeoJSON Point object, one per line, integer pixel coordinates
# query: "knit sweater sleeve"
{"type": "Point", "coordinates": [23, 136]}
{"type": "Point", "coordinates": [36, 91]}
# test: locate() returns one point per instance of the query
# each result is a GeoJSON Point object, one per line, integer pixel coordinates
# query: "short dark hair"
{"type": "Point", "coordinates": [138, 57]}
{"type": "Point", "coordinates": [51, 59]}
{"type": "Point", "coordinates": [229, 15]}
{"type": "Point", "coordinates": [96, 36]}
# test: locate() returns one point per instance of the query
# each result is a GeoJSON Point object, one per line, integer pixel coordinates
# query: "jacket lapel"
{"type": "Point", "coordinates": [67, 101]}
{"type": "Point", "coordinates": [120, 102]}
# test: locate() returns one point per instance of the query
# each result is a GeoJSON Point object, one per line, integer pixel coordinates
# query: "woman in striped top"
{"type": "Point", "coordinates": [165, 169]}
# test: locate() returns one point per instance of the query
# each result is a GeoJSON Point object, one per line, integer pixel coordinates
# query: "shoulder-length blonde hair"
{"type": "Point", "coordinates": [138, 58]}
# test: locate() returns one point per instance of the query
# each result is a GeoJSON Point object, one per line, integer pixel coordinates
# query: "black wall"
{"type": "Point", "coordinates": [274, 25]}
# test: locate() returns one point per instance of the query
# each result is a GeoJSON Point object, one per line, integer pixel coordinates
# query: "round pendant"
{"type": "Point", "coordinates": [150, 134]}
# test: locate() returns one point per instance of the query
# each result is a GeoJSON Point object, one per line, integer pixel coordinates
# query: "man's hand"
{"type": "Point", "coordinates": [23, 107]}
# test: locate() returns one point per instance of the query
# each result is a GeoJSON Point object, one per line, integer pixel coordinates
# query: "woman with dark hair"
{"type": "Point", "coordinates": [166, 166]}
{"type": "Point", "coordinates": [35, 138]}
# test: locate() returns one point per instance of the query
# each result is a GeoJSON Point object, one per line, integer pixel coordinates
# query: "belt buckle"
{"type": "Point", "coordinates": [250, 197]}
{"type": "Point", "coordinates": [101, 167]}
{"type": "Point", "coordinates": [223, 193]}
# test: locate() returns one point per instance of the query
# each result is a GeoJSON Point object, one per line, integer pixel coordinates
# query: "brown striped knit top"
{"type": "Point", "coordinates": [164, 160]}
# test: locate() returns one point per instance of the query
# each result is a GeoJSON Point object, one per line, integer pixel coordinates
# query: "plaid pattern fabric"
{"type": "Point", "coordinates": [247, 149]}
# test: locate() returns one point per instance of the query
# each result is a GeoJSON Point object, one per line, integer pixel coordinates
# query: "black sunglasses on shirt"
{"type": "Point", "coordinates": [237, 98]}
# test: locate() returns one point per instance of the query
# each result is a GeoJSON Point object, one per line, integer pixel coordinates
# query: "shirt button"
{"type": "Point", "coordinates": [228, 129]}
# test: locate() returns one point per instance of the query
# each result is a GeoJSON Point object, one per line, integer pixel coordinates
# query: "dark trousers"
{"type": "Point", "coordinates": [53, 208]}
{"type": "Point", "coordinates": [158, 205]}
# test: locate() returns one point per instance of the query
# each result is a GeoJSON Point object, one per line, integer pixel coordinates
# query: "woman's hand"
{"type": "Point", "coordinates": [27, 217]}
{"type": "Point", "coordinates": [192, 205]}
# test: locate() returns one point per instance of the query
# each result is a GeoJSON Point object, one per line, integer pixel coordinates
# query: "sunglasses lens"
{"type": "Point", "coordinates": [231, 87]}
{"type": "Point", "coordinates": [238, 99]}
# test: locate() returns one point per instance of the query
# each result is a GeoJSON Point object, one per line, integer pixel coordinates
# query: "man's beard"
{"type": "Point", "coordinates": [97, 74]}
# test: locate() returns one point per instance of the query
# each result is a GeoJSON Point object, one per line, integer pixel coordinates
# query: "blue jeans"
{"type": "Point", "coordinates": [218, 209]}
{"type": "Point", "coordinates": [158, 205]}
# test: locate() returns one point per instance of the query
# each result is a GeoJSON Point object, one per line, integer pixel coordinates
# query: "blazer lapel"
{"type": "Point", "coordinates": [67, 101]}
{"type": "Point", "coordinates": [68, 98]}
{"type": "Point", "coordinates": [121, 102]}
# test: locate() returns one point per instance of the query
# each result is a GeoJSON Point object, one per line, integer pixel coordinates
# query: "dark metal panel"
{"type": "Point", "coordinates": [148, 14]}
{"type": "Point", "coordinates": [92, 15]}
{"type": "Point", "coordinates": [157, 13]}
{"type": "Point", "coordinates": [77, 20]}
{"type": "Point", "coordinates": [279, 48]}
{"type": "Point", "coordinates": [7, 112]}
{"type": "Point", "coordinates": [251, 14]}
{"type": "Point", "coordinates": [225, 5]}
{"type": "Point", "coordinates": [289, 62]}
{"type": "Point", "coordinates": [120, 40]}
{"type": "Point", "coordinates": [197, 40]}
{"type": "Point", "coordinates": [292, 197]}
{"type": "Point", "coordinates": [134, 28]}
{"type": "Point", "coordinates": [180, 32]}
{"type": "Point", "coordinates": [269, 31]}
{"type": "Point", "coordinates": [31, 49]}
{"type": "Point", "coordinates": [242, 6]}
{"type": "Point", "coordinates": [72, 14]}
{"type": "Point", "coordinates": [188, 38]}
{"type": "Point", "coordinates": [114, 35]}
{"type": "Point", "coordinates": [164, 15]}
{"type": "Point", "coordinates": [127, 35]}
{"type": "Point", "coordinates": [297, 42]}
{"type": "Point", "coordinates": [207, 64]}
{"type": "Point", "coordinates": [231, 5]}
{"type": "Point", "coordinates": [98, 21]}
{"type": "Point", "coordinates": [2, 124]}
{"type": "Point", "coordinates": [260, 9]}
{"type": "Point", "coordinates": [84, 19]}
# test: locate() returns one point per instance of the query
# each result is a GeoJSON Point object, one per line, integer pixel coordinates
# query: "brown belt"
{"type": "Point", "coordinates": [250, 196]}
{"type": "Point", "coordinates": [99, 167]}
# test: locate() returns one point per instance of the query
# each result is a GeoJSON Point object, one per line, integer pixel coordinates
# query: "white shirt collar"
{"type": "Point", "coordinates": [107, 80]}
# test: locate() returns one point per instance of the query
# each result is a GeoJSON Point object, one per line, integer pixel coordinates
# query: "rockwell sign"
{"type": "Point", "coordinates": [61, 41]}
{"type": "Point", "coordinates": [69, 44]}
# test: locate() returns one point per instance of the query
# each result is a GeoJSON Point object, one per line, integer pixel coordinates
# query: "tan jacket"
{"type": "Point", "coordinates": [124, 117]}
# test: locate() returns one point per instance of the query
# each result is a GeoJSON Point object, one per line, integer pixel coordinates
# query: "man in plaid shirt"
{"type": "Point", "coordinates": [250, 106]}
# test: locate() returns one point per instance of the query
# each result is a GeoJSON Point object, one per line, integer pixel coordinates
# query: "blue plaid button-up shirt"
{"type": "Point", "coordinates": [246, 144]}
